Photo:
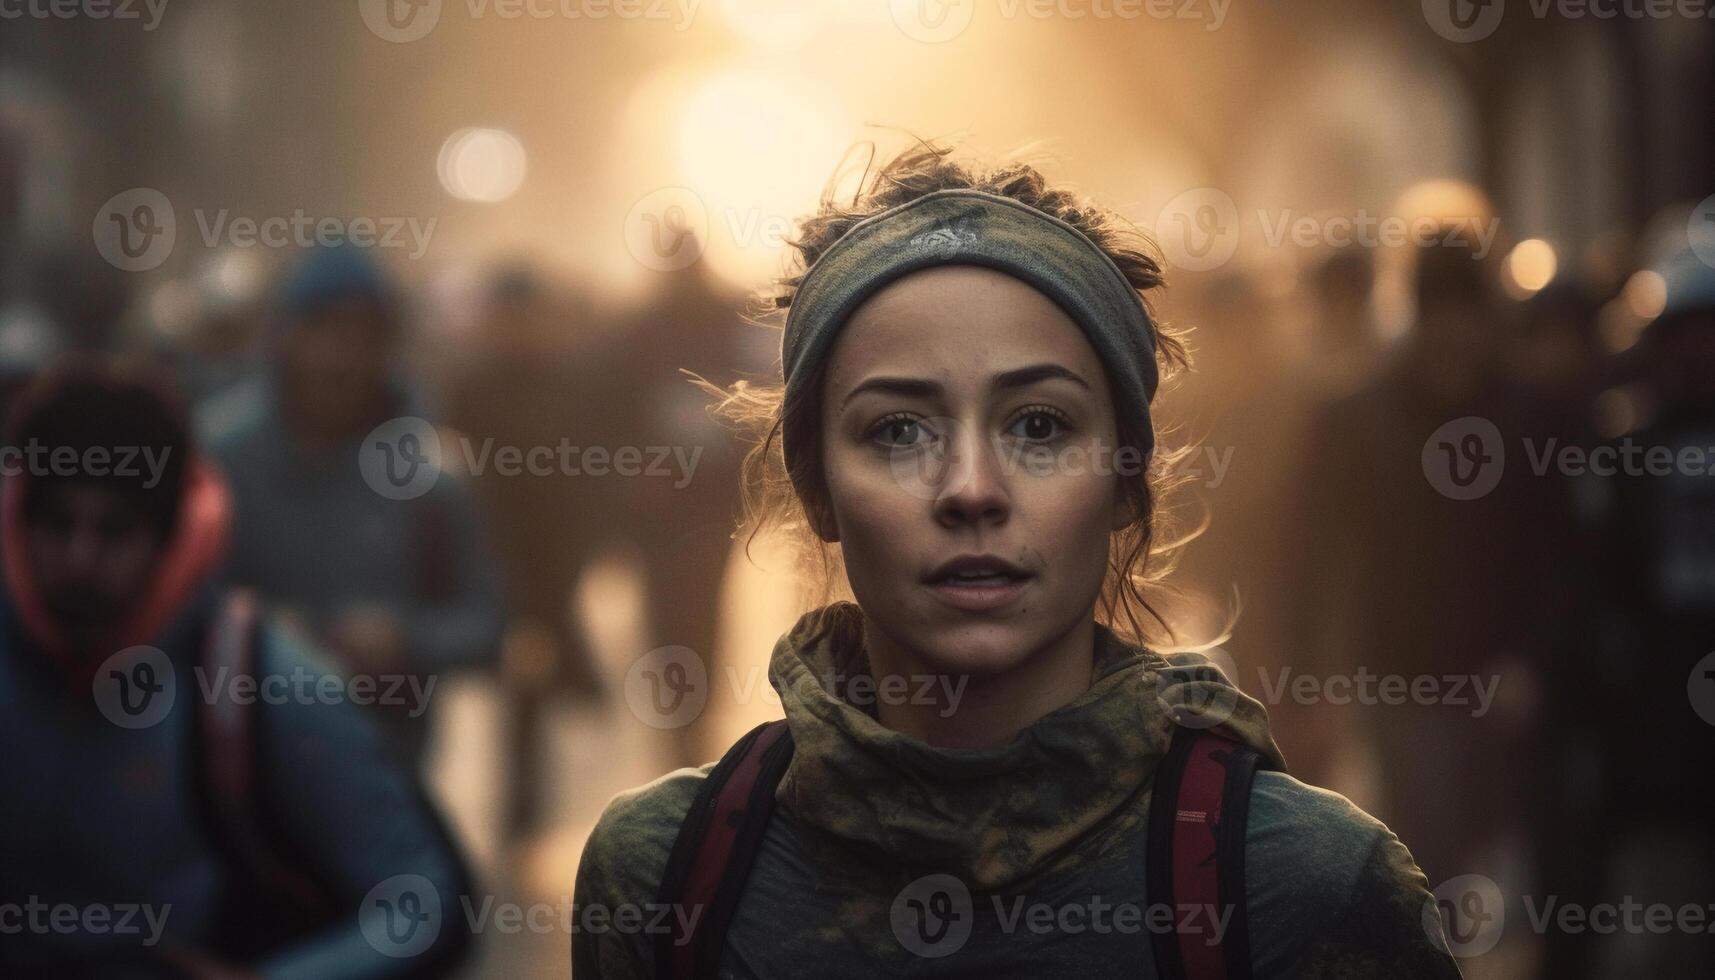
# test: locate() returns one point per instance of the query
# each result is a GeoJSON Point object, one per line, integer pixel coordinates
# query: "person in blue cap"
{"type": "Point", "coordinates": [397, 581]}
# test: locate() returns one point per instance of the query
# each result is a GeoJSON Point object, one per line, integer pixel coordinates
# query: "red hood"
{"type": "Point", "coordinates": [198, 543]}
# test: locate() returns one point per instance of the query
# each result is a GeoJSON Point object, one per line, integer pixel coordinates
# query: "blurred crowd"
{"type": "Point", "coordinates": [1381, 459]}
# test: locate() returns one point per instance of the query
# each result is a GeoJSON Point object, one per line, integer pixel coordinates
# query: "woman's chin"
{"type": "Point", "coordinates": [977, 649]}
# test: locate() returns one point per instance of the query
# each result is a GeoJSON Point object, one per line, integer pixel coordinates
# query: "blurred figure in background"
{"type": "Point", "coordinates": [537, 382]}
{"type": "Point", "coordinates": [1344, 347]}
{"type": "Point", "coordinates": [395, 587]}
{"type": "Point", "coordinates": [682, 520]}
{"type": "Point", "coordinates": [242, 833]}
{"type": "Point", "coordinates": [1243, 409]}
{"type": "Point", "coordinates": [1631, 760]}
{"type": "Point", "coordinates": [1407, 574]}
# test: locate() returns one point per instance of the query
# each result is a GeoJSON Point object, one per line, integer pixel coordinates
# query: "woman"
{"type": "Point", "coordinates": [970, 749]}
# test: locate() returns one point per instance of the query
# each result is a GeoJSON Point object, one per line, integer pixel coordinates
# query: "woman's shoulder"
{"type": "Point", "coordinates": [627, 850]}
{"type": "Point", "coordinates": [1330, 888]}
{"type": "Point", "coordinates": [1291, 819]}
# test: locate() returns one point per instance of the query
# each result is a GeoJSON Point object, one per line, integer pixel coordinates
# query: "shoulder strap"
{"type": "Point", "coordinates": [717, 843]}
{"type": "Point", "coordinates": [227, 733]}
{"type": "Point", "coordinates": [1196, 855]}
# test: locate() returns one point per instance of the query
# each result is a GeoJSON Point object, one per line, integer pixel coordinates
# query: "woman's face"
{"type": "Point", "coordinates": [965, 416]}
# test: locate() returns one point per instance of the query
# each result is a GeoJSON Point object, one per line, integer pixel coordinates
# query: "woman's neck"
{"type": "Point", "coordinates": [979, 711]}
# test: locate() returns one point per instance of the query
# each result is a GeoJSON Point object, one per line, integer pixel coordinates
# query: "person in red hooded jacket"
{"type": "Point", "coordinates": [188, 789]}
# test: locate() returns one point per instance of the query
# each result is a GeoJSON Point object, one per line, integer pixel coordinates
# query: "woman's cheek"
{"type": "Point", "coordinates": [1071, 515]}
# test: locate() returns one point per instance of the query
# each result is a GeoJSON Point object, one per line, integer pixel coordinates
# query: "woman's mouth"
{"type": "Point", "coordinates": [976, 584]}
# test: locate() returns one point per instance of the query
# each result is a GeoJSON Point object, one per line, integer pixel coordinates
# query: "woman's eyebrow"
{"type": "Point", "coordinates": [1019, 377]}
{"type": "Point", "coordinates": [926, 388]}
{"type": "Point", "coordinates": [915, 387]}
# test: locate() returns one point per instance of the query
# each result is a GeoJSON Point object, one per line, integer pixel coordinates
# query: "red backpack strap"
{"type": "Point", "coordinates": [1196, 855]}
{"type": "Point", "coordinates": [227, 736]}
{"type": "Point", "coordinates": [717, 843]}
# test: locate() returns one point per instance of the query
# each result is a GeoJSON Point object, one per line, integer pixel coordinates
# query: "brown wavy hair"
{"type": "Point", "coordinates": [1140, 555]}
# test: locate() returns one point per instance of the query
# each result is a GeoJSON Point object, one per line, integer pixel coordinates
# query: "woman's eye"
{"type": "Point", "coordinates": [899, 431]}
{"type": "Point", "coordinates": [1038, 425]}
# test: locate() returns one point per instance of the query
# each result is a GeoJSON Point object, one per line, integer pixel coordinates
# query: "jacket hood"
{"type": "Point", "coordinates": [996, 815]}
{"type": "Point", "coordinates": [187, 560]}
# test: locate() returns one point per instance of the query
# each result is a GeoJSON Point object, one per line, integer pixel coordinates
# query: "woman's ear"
{"type": "Point", "coordinates": [822, 522]}
{"type": "Point", "coordinates": [1125, 510]}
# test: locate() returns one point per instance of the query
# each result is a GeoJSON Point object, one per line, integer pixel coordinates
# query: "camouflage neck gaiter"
{"type": "Point", "coordinates": [992, 815]}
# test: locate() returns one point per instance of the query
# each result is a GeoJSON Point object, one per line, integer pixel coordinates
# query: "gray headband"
{"type": "Point", "coordinates": [960, 226]}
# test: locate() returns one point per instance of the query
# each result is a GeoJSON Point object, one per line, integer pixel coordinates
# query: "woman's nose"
{"type": "Point", "coordinates": [974, 488]}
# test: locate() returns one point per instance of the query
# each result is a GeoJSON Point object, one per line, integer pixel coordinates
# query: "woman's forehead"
{"type": "Point", "coordinates": [956, 321]}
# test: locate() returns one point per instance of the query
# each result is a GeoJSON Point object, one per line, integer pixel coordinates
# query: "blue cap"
{"type": "Point", "coordinates": [330, 274]}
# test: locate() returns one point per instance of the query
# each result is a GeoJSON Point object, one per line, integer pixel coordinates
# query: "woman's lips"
{"type": "Point", "coordinates": [972, 597]}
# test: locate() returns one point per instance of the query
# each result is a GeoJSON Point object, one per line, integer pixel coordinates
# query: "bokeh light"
{"type": "Point", "coordinates": [478, 164]}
